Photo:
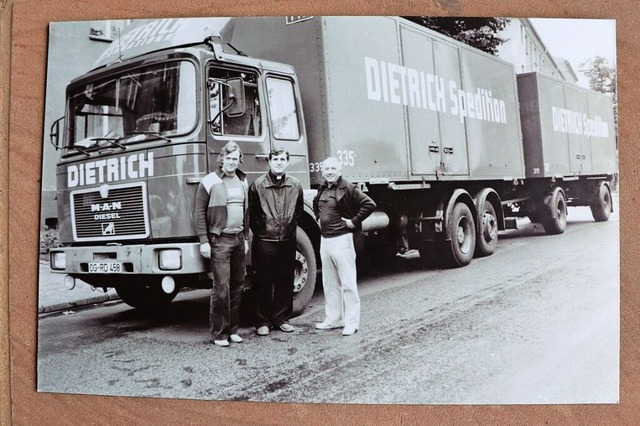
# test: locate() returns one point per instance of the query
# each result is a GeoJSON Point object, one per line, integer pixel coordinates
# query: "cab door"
{"type": "Point", "coordinates": [286, 131]}
{"type": "Point", "coordinates": [236, 113]}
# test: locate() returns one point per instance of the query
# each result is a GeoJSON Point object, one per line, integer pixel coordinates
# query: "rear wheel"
{"type": "Point", "coordinates": [556, 224]}
{"type": "Point", "coordinates": [487, 236]}
{"type": "Point", "coordinates": [148, 296]}
{"type": "Point", "coordinates": [459, 251]}
{"type": "Point", "coordinates": [601, 206]}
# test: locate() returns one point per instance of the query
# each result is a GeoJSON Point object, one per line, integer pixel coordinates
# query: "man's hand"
{"type": "Point", "coordinates": [349, 223]}
{"type": "Point", "coordinates": [205, 250]}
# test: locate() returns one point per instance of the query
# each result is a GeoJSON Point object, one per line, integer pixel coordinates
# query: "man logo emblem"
{"type": "Point", "coordinates": [108, 228]}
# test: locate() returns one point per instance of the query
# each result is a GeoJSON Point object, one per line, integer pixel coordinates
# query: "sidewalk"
{"type": "Point", "coordinates": [54, 296]}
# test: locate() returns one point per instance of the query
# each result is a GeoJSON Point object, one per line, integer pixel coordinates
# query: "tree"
{"type": "Point", "coordinates": [481, 33]}
{"type": "Point", "coordinates": [602, 77]}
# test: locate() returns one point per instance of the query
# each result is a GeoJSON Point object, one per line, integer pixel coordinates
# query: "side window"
{"type": "Point", "coordinates": [224, 119]}
{"type": "Point", "coordinates": [282, 106]}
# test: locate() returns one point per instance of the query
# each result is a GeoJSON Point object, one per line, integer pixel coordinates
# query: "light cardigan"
{"type": "Point", "coordinates": [210, 213]}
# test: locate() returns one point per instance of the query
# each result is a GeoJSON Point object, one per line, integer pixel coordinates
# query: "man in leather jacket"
{"type": "Point", "coordinates": [340, 207]}
{"type": "Point", "coordinates": [275, 204]}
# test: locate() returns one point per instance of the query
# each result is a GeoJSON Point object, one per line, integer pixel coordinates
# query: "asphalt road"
{"type": "Point", "coordinates": [537, 322]}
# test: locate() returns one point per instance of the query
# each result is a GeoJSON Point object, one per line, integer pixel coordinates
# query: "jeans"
{"type": "Point", "coordinates": [341, 300]}
{"type": "Point", "coordinates": [228, 266]}
{"type": "Point", "coordinates": [274, 265]}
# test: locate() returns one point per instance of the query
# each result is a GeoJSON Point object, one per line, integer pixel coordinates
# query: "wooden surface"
{"type": "Point", "coordinates": [25, 406]}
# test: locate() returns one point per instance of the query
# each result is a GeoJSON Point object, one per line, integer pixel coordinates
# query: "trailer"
{"type": "Point", "coordinates": [447, 140]}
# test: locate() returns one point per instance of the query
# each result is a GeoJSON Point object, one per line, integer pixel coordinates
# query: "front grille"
{"type": "Point", "coordinates": [120, 215]}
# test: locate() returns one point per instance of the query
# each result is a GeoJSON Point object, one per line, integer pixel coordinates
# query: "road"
{"type": "Point", "coordinates": [537, 322]}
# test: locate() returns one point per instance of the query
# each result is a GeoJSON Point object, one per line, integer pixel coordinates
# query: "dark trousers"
{"type": "Point", "coordinates": [228, 266]}
{"type": "Point", "coordinates": [274, 266]}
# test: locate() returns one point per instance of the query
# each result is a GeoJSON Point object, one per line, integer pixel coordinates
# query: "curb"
{"type": "Point", "coordinates": [77, 303]}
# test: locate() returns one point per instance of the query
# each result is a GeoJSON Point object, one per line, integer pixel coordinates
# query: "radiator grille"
{"type": "Point", "coordinates": [122, 214]}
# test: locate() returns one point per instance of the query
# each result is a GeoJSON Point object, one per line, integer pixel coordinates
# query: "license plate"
{"type": "Point", "coordinates": [105, 267]}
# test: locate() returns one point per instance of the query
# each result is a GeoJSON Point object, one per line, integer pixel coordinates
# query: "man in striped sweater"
{"type": "Point", "coordinates": [221, 221]}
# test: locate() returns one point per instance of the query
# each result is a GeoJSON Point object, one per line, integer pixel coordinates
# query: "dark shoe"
{"type": "Point", "coordinates": [221, 343]}
{"type": "Point", "coordinates": [324, 325]}
{"type": "Point", "coordinates": [287, 328]}
{"type": "Point", "coordinates": [349, 331]}
{"type": "Point", "coordinates": [262, 330]}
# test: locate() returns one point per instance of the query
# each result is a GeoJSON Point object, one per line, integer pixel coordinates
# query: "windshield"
{"type": "Point", "coordinates": [158, 99]}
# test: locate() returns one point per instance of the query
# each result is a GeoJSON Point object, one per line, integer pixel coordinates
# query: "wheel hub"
{"type": "Point", "coordinates": [300, 272]}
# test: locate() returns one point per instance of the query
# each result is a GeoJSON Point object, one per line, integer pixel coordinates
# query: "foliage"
{"type": "Point", "coordinates": [602, 76]}
{"type": "Point", "coordinates": [481, 33]}
{"type": "Point", "coordinates": [48, 240]}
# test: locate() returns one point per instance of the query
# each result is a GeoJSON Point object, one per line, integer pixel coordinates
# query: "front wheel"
{"type": "Point", "coordinates": [304, 278]}
{"type": "Point", "coordinates": [556, 224]}
{"type": "Point", "coordinates": [145, 296]}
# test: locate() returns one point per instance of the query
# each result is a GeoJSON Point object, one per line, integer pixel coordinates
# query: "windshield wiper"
{"type": "Point", "coordinates": [112, 141]}
{"type": "Point", "coordinates": [149, 132]}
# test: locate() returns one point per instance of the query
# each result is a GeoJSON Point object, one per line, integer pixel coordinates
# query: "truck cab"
{"type": "Point", "coordinates": [141, 130]}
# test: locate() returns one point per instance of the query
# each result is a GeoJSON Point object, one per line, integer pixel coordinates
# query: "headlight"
{"type": "Point", "coordinates": [58, 260]}
{"type": "Point", "coordinates": [170, 259]}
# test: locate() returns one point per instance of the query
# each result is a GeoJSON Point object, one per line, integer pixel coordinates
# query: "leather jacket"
{"type": "Point", "coordinates": [274, 209]}
{"type": "Point", "coordinates": [352, 202]}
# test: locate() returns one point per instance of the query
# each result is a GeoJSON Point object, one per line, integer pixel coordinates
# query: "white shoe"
{"type": "Point", "coordinates": [349, 331]}
{"type": "Point", "coordinates": [263, 330]}
{"type": "Point", "coordinates": [287, 328]}
{"type": "Point", "coordinates": [235, 338]}
{"type": "Point", "coordinates": [221, 343]}
{"type": "Point", "coordinates": [326, 325]}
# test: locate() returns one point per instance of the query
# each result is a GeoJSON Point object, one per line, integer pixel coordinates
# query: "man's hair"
{"type": "Point", "coordinates": [332, 160]}
{"type": "Point", "coordinates": [278, 151]}
{"type": "Point", "coordinates": [230, 147]}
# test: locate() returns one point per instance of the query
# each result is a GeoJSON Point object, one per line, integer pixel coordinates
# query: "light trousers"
{"type": "Point", "coordinates": [339, 280]}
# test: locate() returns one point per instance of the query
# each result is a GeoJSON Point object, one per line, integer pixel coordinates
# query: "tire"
{"type": "Point", "coordinates": [558, 223]}
{"type": "Point", "coordinates": [487, 232]}
{"type": "Point", "coordinates": [601, 206]}
{"type": "Point", "coordinates": [147, 297]}
{"type": "Point", "coordinates": [305, 272]}
{"type": "Point", "coordinates": [462, 230]}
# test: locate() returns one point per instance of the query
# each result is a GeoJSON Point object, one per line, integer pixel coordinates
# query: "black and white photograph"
{"type": "Point", "coordinates": [331, 209]}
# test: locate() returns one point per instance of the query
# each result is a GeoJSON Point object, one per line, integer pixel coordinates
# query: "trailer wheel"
{"type": "Point", "coordinates": [556, 224]}
{"type": "Point", "coordinates": [304, 279]}
{"type": "Point", "coordinates": [601, 206]}
{"type": "Point", "coordinates": [459, 251]}
{"type": "Point", "coordinates": [148, 297]}
{"type": "Point", "coordinates": [487, 234]}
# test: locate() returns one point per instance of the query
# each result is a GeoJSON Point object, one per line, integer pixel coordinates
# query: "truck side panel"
{"type": "Point", "coordinates": [395, 101]}
{"type": "Point", "coordinates": [567, 130]}
{"type": "Point", "coordinates": [494, 138]}
{"type": "Point", "coordinates": [365, 107]}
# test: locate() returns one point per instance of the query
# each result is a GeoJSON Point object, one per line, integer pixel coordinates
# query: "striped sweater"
{"type": "Point", "coordinates": [210, 214]}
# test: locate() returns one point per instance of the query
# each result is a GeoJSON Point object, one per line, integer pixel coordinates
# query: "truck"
{"type": "Point", "coordinates": [449, 142]}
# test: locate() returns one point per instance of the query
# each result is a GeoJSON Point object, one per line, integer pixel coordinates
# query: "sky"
{"type": "Point", "coordinates": [578, 40]}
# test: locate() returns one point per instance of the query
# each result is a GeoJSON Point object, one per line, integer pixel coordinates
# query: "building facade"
{"type": "Point", "coordinates": [527, 52]}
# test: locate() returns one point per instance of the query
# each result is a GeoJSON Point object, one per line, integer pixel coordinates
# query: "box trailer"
{"type": "Point", "coordinates": [450, 144]}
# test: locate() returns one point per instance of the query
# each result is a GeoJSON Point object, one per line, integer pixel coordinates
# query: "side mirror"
{"type": "Point", "coordinates": [54, 134]}
{"type": "Point", "coordinates": [234, 98]}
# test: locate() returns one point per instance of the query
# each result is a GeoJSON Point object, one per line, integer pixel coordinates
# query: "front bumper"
{"type": "Point", "coordinates": [134, 259]}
